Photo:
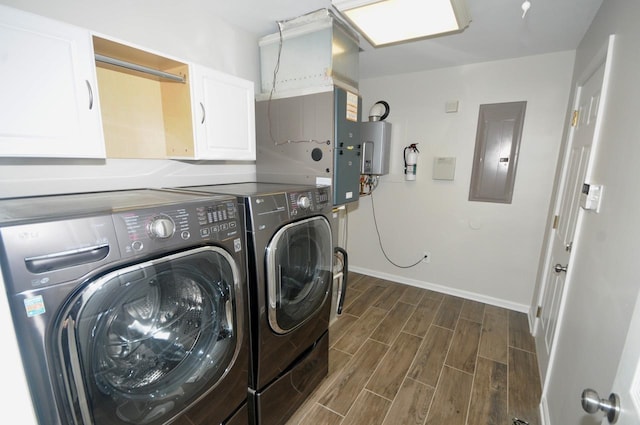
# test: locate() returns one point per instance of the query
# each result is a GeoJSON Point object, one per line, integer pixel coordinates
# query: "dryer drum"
{"type": "Point", "coordinates": [294, 311]}
{"type": "Point", "coordinates": [304, 275]}
{"type": "Point", "coordinates": [300, 269]}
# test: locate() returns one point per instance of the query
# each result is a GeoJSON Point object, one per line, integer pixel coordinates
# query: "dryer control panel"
{"type": "Point", "coordinates": [309, 202]}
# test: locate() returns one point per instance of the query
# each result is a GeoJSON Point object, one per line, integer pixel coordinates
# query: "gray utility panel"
{"type": "Point", "coordinates": [497, 149]}
{"type": "Point", "coordinates": [311, 139]}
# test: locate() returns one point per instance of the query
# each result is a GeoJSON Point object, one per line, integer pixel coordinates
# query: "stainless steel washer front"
{"type": "Point", "coordinates": [130, 307]}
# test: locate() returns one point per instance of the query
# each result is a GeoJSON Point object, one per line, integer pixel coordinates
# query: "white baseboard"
{"type": "Point", "coordinates": [444, 289]}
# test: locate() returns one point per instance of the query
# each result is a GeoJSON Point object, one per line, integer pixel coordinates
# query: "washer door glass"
{"type": "Point", "coordinates": [299, 268]}
{"type": "Point", "coordinates": [146, 341]}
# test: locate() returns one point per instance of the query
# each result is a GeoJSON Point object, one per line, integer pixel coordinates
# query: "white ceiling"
{"type": "Point", "coordinates": [497, 31]}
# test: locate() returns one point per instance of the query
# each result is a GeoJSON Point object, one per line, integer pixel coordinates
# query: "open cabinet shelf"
{"type": "Point", "coordinates": [143, 115]}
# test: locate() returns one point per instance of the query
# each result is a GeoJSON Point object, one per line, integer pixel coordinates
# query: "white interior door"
{"type": "Point", "coordinates": [563, 236]}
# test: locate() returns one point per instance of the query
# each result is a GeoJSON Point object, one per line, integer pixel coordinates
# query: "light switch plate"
{"type": "Point", "coordinates": [591, 197]}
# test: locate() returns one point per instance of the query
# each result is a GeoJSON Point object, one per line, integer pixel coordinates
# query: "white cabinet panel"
{"type": "Point", "coordinates": [49, 104]}
{"type": "Point", "coordinates": [224, 115]}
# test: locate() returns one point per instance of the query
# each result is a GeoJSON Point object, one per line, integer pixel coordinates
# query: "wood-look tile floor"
{"type": "Point", "coordinates": [405, 355]}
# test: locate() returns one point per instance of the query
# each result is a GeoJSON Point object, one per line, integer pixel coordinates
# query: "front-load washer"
{"type": "Point", "coordinates": [129, 306]}
{"type": "Point", "coordinates": [290, 267]}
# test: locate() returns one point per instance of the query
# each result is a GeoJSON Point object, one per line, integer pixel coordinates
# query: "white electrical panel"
{"type": "Point", "coordinates": [591, 197]}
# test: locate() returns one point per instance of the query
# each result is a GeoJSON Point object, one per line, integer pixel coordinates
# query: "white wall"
{"type": "Point", "coordinates": [191, 33]}
{"type": "Point", "coordinates": [604, 283]}
{"type": "Point", "coordinates": [485, 251]}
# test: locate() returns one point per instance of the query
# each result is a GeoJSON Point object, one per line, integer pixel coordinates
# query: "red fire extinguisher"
{"type": "Point", "coordinates": [410, 161]}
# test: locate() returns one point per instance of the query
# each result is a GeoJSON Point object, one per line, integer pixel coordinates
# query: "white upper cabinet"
{"type": "Point", "coordinates": [49, 104]}
{"type": "Point", "coordinates": [49, 101]}
{"type": "Point", "coordinates": [223, 115]}
{"type": "Point", "coordinates": [156, 106]}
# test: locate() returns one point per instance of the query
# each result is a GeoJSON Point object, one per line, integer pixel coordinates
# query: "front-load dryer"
{"type": "Point", "coordinates": [290, 267]}
{"type": "Point", "coordinates": [129, 306]}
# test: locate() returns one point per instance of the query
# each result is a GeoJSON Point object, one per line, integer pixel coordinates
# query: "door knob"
{"type": "Point", "coordinates": [560, 268]}
{"type": "Point", "coordinates": [591, 403]}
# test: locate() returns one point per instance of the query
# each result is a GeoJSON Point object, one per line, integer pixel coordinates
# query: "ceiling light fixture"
{"type": "Point", "coordinates": [384, 22]}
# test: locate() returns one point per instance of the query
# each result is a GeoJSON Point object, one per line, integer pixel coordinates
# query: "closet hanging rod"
{"type": "Point", "coordinates": [139, 68]}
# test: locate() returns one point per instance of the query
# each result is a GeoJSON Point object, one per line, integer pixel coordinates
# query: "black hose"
{"type": "Point", "coordinates": [345, 271]}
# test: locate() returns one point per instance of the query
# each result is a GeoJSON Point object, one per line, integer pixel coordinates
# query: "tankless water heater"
{"type": "Point", "coordinates": [376, 146]}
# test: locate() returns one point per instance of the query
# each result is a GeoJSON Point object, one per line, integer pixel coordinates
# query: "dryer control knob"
{"type": "Point", "coordinates": [304, 202]}
{"type": "Point", "coordinates": [161, 227]}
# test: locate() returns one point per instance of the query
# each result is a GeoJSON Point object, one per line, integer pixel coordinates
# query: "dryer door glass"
{"type": "Point", "coordinates": [148, 340]}
{"type": "Point", "coordinates": [299, 267]}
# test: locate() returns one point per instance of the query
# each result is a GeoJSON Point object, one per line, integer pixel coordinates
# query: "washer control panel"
{"type": "Point", "coordinates": [161, 227]}
{"type": "Point", "coordinates": [148, 230]}
{"type": "Point", "coordinates": [219, 221]}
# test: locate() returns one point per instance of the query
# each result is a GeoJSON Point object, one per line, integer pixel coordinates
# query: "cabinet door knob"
{"type": "Point", "coordinates": [203, 113]}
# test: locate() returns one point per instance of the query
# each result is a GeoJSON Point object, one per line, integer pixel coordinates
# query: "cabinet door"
{"type": "Point", "coordinates": [49, 104]}
{"type": "Point", "coordinates": [224, 116]}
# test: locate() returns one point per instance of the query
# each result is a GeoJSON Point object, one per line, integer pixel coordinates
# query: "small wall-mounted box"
{"type": "Point", "coordinates": [444, 168]}
{"type": "Point", "coordinates": [451, 106]}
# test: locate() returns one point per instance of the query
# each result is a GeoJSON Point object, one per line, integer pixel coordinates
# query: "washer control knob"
{"type": "Point", "coordinates": [161, 227]}
{"type": "Point", "coordinates": [304, 202]}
